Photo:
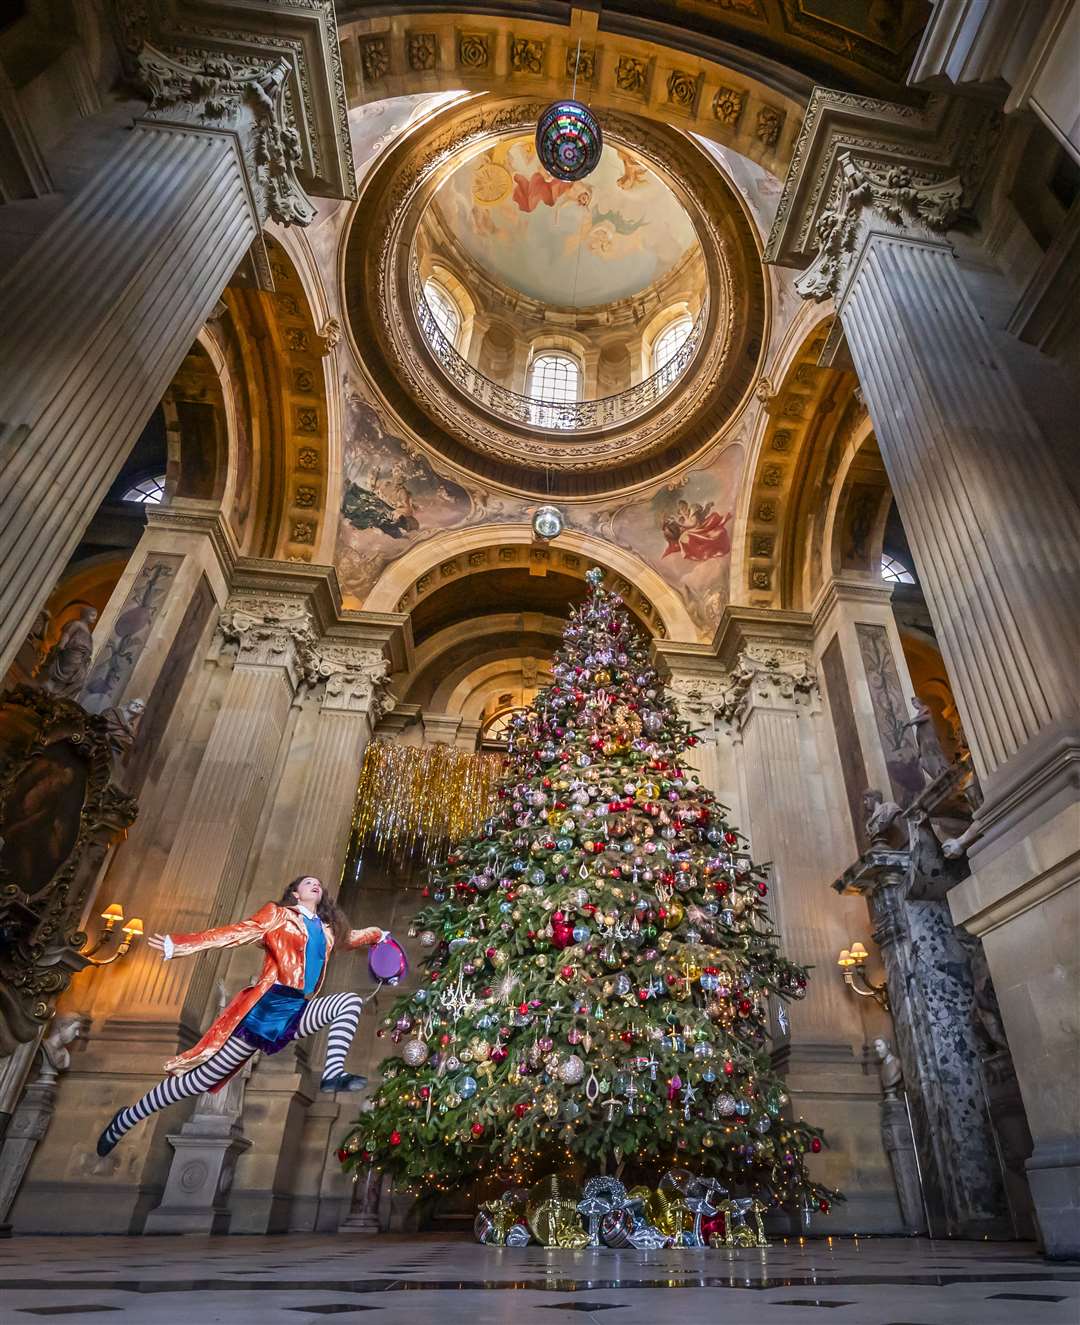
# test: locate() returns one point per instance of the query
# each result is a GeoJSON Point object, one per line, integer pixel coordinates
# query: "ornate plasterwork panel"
{"type": "Point", "coordinates": [387, 339]}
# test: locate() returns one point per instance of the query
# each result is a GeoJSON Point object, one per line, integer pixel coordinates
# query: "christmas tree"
{"type": "Point", "coordinates": [599, 963]}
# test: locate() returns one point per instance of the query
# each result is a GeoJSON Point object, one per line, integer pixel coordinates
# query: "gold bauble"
{"type": "Point", "coordinates": [498, 958]}
{"type": "Point", "coordinates": [675, 913]}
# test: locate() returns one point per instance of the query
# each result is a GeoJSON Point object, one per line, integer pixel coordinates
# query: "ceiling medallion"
{"type": "Point", "coordinates": [568, 140]}
{"type": "Point", "coordinates": [547, 522]}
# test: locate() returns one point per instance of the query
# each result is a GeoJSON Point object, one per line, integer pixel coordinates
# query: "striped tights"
{"type": "Point", "coordinates": [341, 1012]}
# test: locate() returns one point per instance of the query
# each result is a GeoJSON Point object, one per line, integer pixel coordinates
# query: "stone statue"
{"type": "Point", "coordinates": [892, 1074]}
{"type": "Point", "coordinates": [31, 653]}
{"type": "Point", "coordinates": [884, 826]}
{"type": "Point", "coordinates": [67, 666]}
{"type": "Point", "coordinates": [932, 759]}
{"type": "Point", "coordinates": [122, 726]}
{"type": "Point", "coordinates": [932, 871]}
{"type": "Point", "coordinates": [955, 847]}
{"type": "Point", "coordinates": [55, 1055]}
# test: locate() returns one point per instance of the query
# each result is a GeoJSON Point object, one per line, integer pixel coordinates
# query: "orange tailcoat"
{"type": "Point", "coordinates": [281, 931]}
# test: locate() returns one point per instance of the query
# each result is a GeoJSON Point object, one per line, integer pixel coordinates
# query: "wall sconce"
{"type": "Point", "coordinates": [113, 915]}
{"type": "Point", "coordinates": [852, 961]}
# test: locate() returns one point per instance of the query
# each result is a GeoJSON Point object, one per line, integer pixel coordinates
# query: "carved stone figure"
{"type": "Point", "coordinates": [55, 1054]}
{"type": "Point", "coordinates": [884, 826]}
{"type": "Point", "coordinates": [932, 759]}
{"type": "Point", "coordinates": [890, 1071]}
{"type": "Point", "coordinates": [122, 726]}
{"type": "Point", "coordinates": [931, 871]}
{"type": "Point", "coordinates": [31, 653]}
{"type": "Point", "coordinates": [65, 670]}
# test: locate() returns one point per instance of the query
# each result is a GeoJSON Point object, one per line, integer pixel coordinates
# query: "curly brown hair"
{"type": "Point", "coordinates": [328, 910]}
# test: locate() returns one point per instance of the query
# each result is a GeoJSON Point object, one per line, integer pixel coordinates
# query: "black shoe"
{"type": "Point", "coordinates": [343, 1081]}
{"type": "Point", "coordinates": [108, 1141]}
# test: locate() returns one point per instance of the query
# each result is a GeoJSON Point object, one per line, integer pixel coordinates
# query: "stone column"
{"type": "Point", "coordinates": [931, 993]}
{"type": "Point", "coordinates": [865, 680]}
{"type": "Point", "coordinates": [307, 823]}
{"type": "Point", "coordinates": [100, 311]}
{"type": "Point", "coordinates": [990, 505]}
{"type": "Point", "coordinates": [755, 694]}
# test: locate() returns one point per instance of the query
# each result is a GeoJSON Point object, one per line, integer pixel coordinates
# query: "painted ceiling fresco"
{"type": "Point", "coordinates": [569, 245]}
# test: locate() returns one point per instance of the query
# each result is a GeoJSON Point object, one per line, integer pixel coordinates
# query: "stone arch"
{"type": "Point", "coordinates": [807, 418]}
{"type": "Point", "coordinates": [442, 661]}
{"type": "Point", "coordinates": [470, 551]}
{"type": "Point", "coordinates": [278, 352]}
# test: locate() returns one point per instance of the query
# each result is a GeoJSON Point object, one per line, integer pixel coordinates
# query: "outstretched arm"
{"type": "Point", "coordinates": [250, 930]}
{"type": "Point", "coordinates": [366, 938]}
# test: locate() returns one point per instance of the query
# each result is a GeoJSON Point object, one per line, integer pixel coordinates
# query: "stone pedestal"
{"type": "Point", "coordinates": [931, 994]}
{"type": "Point", "coordinates": [904, 1162]}
{"type": "Point", "coordinates": [363, 1217]}
{"type": "Point", "coordinates": [196, 1198]}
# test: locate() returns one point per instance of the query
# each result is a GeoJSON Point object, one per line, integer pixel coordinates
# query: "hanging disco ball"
{"type": "Point", "coordinates": [547, 522]}
{"type": "Point", "coordinates": [568, 140]}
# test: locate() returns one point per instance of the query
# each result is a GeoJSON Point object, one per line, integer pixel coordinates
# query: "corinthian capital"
{"type": "Point", "coordinates": [896, 197]}
{"type": "Point", "coordinates": [269, 71]}
{"type": "Point", "coordinates": [767, 675]}
{"type": "Point", "coordinates": [357, 679]}
{"type": "Point", "coordinates": [251, 99]}
{"type": "Point", "coordinates": [270, 632]}
{"type": "Point", "coordinates": [860, 165]}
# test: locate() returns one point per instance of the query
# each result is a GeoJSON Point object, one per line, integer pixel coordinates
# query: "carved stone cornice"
{"type": "Point", "coordinates": [769, 676]}
{"type": "Point", "coordinates": [857, 159]}
{"type": "Point", "coordinates": [219, 57]}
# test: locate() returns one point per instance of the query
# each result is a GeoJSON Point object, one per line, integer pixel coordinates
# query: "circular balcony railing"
{"type": "Point", "coordinates": [565, 416]}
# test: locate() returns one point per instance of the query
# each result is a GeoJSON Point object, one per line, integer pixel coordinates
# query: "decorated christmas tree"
{"type": "Point", "coordinates": [599, 963]}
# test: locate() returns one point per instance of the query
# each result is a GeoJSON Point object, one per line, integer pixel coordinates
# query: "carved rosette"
{"type": "Point", "coordinates": [897, 198]}
{"type": "Point", "coordinates": [248, 98]}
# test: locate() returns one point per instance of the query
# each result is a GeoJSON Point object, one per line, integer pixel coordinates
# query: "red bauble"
{"type": "Point", "coordinates": [521, 1108]}
{"type": "Point", "coordinates": [395, 1138]}
{"type": "Point", "coordinates": [729, 1068]}
{"type": "Point", "coordinates": [342, 1155]}
{"type": "Point", "coordinates": [823, 1206]}
{"type": "Point", "coordinates": [815, 1144]}
{"type": "Point", "coordinates": [762, 888]}
{"type": "Point", "coordinates": [731, 839]}
{"type": "Point", "coordinates": [477, 1129]}
{"type": "Point", "coordinates": [627, 1037]}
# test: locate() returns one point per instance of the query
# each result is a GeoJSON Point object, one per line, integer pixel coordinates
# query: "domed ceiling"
{"type": "Point", "coordinates": [581, 245]}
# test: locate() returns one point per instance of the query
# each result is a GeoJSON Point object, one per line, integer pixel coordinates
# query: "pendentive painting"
{"type": "Point", "coordinates": [391, 499]}
{"type": "Point", "coordinates": [684, 531]}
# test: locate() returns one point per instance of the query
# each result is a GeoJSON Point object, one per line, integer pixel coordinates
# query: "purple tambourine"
{"type": "Point", "coordinates": [387, 962]}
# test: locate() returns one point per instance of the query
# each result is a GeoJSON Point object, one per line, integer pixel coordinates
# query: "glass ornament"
{"type": "Point", "coordinates": [547, 521]}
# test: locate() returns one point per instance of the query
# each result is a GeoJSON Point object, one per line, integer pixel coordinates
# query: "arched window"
{"type": "Point", "coordinates": [670, 341]}
{"type": "Point", "coordinates": [555, 379]}
{"type": "Point", "coordinates": [444, 309]}
{"type": "Point", "coordinates": [148, 491]}
{"type": "Point", "coordinates": [895, 571]}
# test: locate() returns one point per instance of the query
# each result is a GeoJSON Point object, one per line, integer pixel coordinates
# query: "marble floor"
{"type": "Point", "coordinates": [427, 1278]}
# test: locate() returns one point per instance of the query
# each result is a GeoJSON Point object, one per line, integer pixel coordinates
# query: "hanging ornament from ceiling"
{"type": "Point", "coordinates": [547, 522]}
{"type": "Point", "coordinates": [568, 140]}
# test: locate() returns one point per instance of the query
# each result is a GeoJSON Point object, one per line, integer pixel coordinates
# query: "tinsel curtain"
{"type": "Point", "coordinates": [412, 801]}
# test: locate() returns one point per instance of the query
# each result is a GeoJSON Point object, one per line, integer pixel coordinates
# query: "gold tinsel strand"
{"type": "Point", "coordinates": [416, 800]}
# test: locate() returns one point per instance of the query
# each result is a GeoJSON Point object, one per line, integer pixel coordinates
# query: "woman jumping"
{"type": "Point", "coordinates": [298, 934]}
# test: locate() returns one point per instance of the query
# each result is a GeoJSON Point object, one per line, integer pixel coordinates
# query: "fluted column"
{"type": "Point", "coordinates": [991, 507]}
{"type": "Point", "coordinates": [769, 754]}
{"type": "Point", "coordinates": [100, 311]}
{"type": "Point", "coordinates": [201, 881]}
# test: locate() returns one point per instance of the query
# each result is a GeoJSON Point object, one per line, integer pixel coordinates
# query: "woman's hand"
{"type": "Point", "coordinates": [157, 942]}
